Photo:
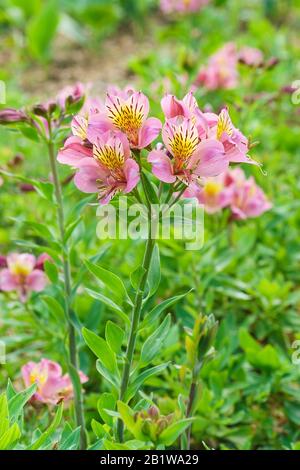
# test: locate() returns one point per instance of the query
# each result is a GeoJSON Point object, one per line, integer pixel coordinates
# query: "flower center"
{"type": "Point", "coordinates": [20, 269]}
{"type": "Point", "coordinates": [183, 147]}
{"type": "Point", "coordinates": [110, 157]}
{"type": "Point", "coordinates": [79, 127]}
{"type": "Point", "coordinates": [128, 118]}
{"type": "Point", "coordinates": [212, 188]}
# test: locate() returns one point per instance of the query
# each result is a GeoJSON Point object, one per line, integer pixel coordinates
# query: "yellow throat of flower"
{"type": "Point", "coordinates": [224, 124]}
{"type": "Point", "coordinates": [128, 119]}
{"type": "Point", "coordinates": [19, 269]}
{"type": "Point", "coordinates": [110, 157]}
{"type": "Point", "coordinates": [183, 147]}
{"type": "Point", "coordinates": [212, 188]}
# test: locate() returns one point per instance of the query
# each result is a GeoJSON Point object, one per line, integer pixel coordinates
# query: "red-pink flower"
{"type": "Point", "coordinates": [182, 6]}
{"type": "Point", "coordinates": [22, 275]}
{"type": "Point", "coordinates": [221, 70]}
{"type": "Point", "coordinates": [52, 385]}
{"type": "Point", "coordinates": [111, 168]}
{"type": "Point", "coordinates": [126, 111]}
{"type": "Point", "coordinates": [187, 156]}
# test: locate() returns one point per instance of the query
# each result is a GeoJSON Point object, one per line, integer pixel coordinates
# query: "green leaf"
{"type": "Point", "coordinates": [169, 435]}
{"type": "Point", "coordinates": [17, 403]}
{"type": "Point", "coordinates": [142, 377]}
{"type": "Point", "coordinates": [111, 281]}
{"type": "Point", "coordinates": [154, 314]}
{"type": "Point", "coordinates": [71, 442]}
{"type": "Point", "coordinates": [136, 276]}
{"type": "Point", "coordinates": [10, 437]}
{"type": "Point", "coordinates": [154, 272]}
{"type": "Point", "coordinates": [42, 28]}
{"type": "Point", "coordinates": [111, 378]}
{"type": "Point", "coordinates": [55, 307]}
{"type": "Point", "coordinates": [114, 336]}
{"type": "Point", "coordinates": [4, 416]}
{"type": "Point", "coordinates": [51, 271]}
{"type": "Point", "coordinates": [45, 436]}
{"type": "Point", "coordinates": [106, 402]}
{"type": "Point", "coordinates": [155, 342]}
{"type": "Point", "coordinates": [101, 349]}
{"type": "Point", "coordinates": [107, 301]}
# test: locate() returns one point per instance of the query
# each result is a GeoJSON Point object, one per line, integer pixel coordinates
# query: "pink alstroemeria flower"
{"type": "Point", "coordinates": [234, 142]}
{"type": "Point", "coordinates": [214, 194]}
{"type": "Point", "coordinates": [188, 108]}
{"type": "Point", "coordinates": [71, 93]}
{"type": "Point", "coordinates": [52, 386]}
{"type": "Point", "coordinates": [182, 6]}
{"type": "Point", "coordinates": [221, 71]}
{"type": "Point", "coordinates": [247, 199]}
{"type": "Point", "coordinates": [251, 56]}
{"type": "Point", "coordinates": [22, 275]}
{"type": "Point", "coordinates": [110, 170]}
{"type": "Point", "coordinates": [126, 111]}
{"type": "Point", "coordinates": [187, 157]}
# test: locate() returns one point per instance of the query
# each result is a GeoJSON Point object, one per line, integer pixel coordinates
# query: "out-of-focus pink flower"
{"type": "Point", "coordinates": [251, 56]}
{"type": "Point", "coordinates": [52, 386]}
{"type": "Point", "coordinates": [182, 6]}
{"type": "Point", "coordinates": [22, 275]}
{"type": "Point", "coordinates": [214, 194]}
{"type": "Point", "coordinates": [111, 169]}
{"type": "Point", "coordinates": [126, 111]}
{"type": "Point", "coordinates": [41, 261]}
{"type": "Point", "coordinates": [221, 71]}
{"type": "Point", "coordinates": [187, 157]}
{"type": "Point", "coordinates": [3, 262]}
{"type": "Point", "coordinates": [247, 199]}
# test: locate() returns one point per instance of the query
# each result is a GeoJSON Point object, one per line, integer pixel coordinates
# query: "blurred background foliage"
{"type": "Point", "coordinates": [251, 391]}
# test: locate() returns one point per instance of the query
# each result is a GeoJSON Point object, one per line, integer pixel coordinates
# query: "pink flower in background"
{"type": "Point", "coordinates": [111, 168]}
{"type": "Point", "coordinates": [187, 157]}
{"type": "Point", "coordinates": [126, 111]}
{"type": "Point", "coordinates": [247, 199]}
{"type": "Point", "coordinates": [214, 194]}
{"type": "Point", "coordinates": [251, 56]}
{"type": "Point", "coordinates": [182, 6]}
{"type": "Point", "coordinates": [22, 275]}
{"type": "Point", "coordinates": [221, 70]}
{"type": "Point", "coordinates": [52, 386]}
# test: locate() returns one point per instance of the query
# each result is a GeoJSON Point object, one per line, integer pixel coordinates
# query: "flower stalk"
{"type": "Point", "coordinates": [73, 352]}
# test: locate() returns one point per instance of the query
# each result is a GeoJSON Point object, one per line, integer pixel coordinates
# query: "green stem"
{"type": "Point", "coordinates": [73, 353]}
{"type": "Point", "coordinates": [136, 313]}
{"type": "Point", "coordinates": [186, 443]}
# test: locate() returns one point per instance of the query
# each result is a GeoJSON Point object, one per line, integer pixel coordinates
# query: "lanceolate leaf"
{"type": "Point", "coordinates": [101, 349]}
{"type": "Point", "coordinates": [154, 314]}
{"type": "Point", "coordinates": [155, 342]}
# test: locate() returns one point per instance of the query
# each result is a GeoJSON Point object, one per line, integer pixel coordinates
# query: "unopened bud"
{"type": "Point", "coordinates": [11, 115]}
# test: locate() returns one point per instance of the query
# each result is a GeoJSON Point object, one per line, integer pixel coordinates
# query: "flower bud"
{"type": "Point", "coordinates": [11, 115]}
{"type": "Point", "coordinates": [3, 262]}
{"type": "Point", "coordinates": [153, 412]}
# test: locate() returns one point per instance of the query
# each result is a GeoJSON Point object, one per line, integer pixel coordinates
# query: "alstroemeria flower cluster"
{"type": "Point", "coordinates": [182, 6]}
{"type": "Point", "coordinates": [52, 386]}
{"type": "Point", "coordinates": [23, 273]}
{"type": "Point", "coordinates": [232, 189]}
{"type": "Point", "coordinates": [221, 71]}
{"type": "Point", "coordinates": [196, 144]}
{"type": "Point", "coordinates": [103, 140]}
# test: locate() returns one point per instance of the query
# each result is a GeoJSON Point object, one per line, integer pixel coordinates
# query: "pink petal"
{"type": "Point", "coordinates": [8, 282]}
{"type": "Point", "coordinates": [132, 174]}
{"type": "Point", "coordinates": [36, 281]}
{"type": "Point", "coordinates": [172, 107]}
{"type": "Point", "coordinates": [212, 160]}
{"type": "Point", "coordinates": [73, 151]}
{"type": "Point", "coordinates": [161, 166]}
{"type": "Point", "coordinates": [99, 124]}
{"type": "Point", "coordinates": [148, 132]}
{"type": "Point", "coordinates": [88, 174]}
